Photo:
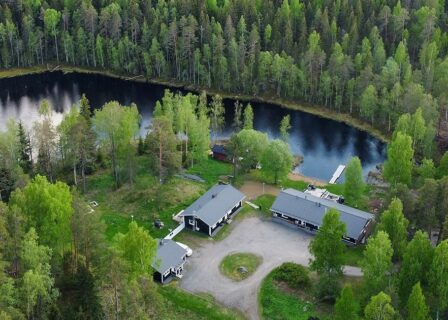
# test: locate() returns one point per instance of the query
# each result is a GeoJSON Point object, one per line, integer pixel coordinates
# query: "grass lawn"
{"type": "Point", "coordinates": [298, 185]}
{"type": "Point", "coordinates": [211, 170]}
{"type": "Point", "coordinates": [182, 305]}
{"type": "Point", "coordinates": [279, 302]}
{"type": "Point", "coordinates": [354, 255]}
{"type": "Point", "coordinates": [259, 175]}
{"type": "Point", "coordinates": [265, 203]}
{"type": "Point", "coordinates": [143, 202]}
{"type": "Point", "coordinates": [230, 264]}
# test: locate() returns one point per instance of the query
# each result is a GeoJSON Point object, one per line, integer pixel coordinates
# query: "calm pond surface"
{"type": "Point", "coordinates": [323, 143]}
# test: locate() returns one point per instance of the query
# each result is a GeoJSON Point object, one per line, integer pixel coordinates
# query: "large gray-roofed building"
{"type": "Point", "coordinates": [307, 212]}
{"type": "Point", "coordinates": [213, 208]}
{"type": "Point", "coordinates": [169, 261]}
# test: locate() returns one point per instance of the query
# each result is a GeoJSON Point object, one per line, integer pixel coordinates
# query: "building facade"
{"type": "Point", "coordinates": [213, 209]}
{"type": "Point", "coordinates": [306, 212]}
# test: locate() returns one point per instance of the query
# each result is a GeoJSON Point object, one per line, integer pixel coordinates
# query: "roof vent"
{"type": "Point", "coordinates": [214, 196]}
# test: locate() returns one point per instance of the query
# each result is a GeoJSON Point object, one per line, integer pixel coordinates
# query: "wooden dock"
{"type": "Point", "coordinates": [337, 174]}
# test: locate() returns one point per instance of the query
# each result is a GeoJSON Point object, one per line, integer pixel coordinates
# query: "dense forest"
{"type": "Point", "coordinates": [65, 257]}
{"type": "Point", "coordinates": [373, 59]}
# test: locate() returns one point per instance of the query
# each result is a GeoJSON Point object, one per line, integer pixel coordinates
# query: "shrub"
{"type": "Point", "coordinates": [295, 275]}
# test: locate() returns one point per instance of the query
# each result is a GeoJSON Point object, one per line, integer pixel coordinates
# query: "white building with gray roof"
{"type": "Point", "coordinates": [169, 261]}
{"type": "Point", "coordinates": [306, 212]}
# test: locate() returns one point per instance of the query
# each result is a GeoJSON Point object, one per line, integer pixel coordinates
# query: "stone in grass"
{"type": "Point", "coordinates": [242, 270]}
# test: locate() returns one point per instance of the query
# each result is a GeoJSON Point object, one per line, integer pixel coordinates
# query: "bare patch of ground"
{"type": "Point", "coordinates": [253, 189]}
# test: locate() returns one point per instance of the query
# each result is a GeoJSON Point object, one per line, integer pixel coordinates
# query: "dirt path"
{"type": "Point", "coordinates": [254, 189]}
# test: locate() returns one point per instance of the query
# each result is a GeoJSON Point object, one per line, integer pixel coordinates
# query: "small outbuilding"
{"type": "Point", "coordinates": [213, 209]}
{"type": "Point", "coordinates": [220, 153]}
{"type": "Point", "coordinates": [169, 261]}
{"type": "Point", "coordinates": [306, 212]}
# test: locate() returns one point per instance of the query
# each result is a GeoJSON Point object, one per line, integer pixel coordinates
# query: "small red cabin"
{"type": "Point", "coordinates": [219, 152]}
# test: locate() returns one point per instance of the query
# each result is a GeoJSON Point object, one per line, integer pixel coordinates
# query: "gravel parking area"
{"type": "Point", "coordinates": [274, 242]}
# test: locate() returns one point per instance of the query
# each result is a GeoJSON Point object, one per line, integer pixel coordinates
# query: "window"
{"type": "Point", "coordinates": [191, 222]}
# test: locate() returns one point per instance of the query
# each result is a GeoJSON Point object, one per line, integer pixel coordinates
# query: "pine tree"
{"type": "Point", "coordinates": [84, 108]}
{"type": "Point", "coordinates": [25, 150]}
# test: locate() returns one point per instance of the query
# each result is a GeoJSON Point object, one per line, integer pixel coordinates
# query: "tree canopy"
{"type": "Point", "coordinates": [394, 223]}
{"type": "Point", "coordinates": [354, 182]}
{"type": "Point", "coordinates": [47, 208]}
{"type": "Point", "coordinates": [377, 263]}
{"type": "Point", "coordinates": [277, 160]}
{"type": "Point", "coordinates": [328, 253]}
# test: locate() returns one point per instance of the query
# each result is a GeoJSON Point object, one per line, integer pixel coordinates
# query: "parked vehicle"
{"type": "Point", "coordinates": [93, 204]}
{"type": "Point", "coordinates": [189, 251]}
{"type": "Point", "coordinates": [158, 224]}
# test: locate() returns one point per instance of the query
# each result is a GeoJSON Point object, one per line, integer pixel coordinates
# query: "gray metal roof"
{"type": "Point", "coordinates": [169, 254]}
{"type": "Point", "coordinates": [215, 203]}
{"type": "Point", "coordinates": [313, 209]}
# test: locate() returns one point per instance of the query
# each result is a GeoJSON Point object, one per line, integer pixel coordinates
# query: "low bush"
{"type": "Point", "coordinates": [295, 275]}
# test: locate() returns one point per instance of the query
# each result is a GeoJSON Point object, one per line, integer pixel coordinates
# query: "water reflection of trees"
{"type": "Point", "coordinates": [323, 142]}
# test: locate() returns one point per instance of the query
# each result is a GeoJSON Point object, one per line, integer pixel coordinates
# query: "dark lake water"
{"type": "Point", "coordinates": [323, 143]}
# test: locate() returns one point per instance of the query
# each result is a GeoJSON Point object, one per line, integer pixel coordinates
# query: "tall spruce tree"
{"type": "Point", "coordinates": [25, 150]}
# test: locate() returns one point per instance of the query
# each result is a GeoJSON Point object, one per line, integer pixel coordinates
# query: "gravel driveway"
{"type": "Point", "coordinates": [274, 242]}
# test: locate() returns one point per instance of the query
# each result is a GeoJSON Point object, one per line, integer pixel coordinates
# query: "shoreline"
{"type": "Point", "coordinates": [316, 110]}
